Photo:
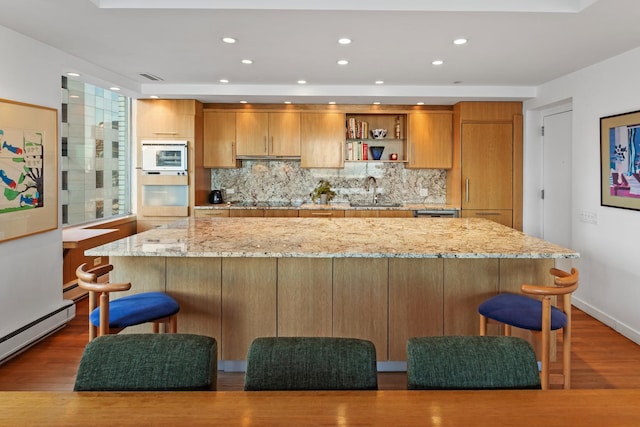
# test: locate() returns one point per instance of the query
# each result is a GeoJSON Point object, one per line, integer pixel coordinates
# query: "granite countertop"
{"type": "Point", "coordinates": [334, 238]}
{"type": "Point", "coordinates": [329, 206]}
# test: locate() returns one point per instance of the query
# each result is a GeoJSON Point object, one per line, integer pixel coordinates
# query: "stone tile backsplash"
{"type": "Point", "coordinates": [285, 181]}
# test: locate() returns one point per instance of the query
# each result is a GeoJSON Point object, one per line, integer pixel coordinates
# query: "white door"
{"type": "Point", "coordinates": [556, 178]}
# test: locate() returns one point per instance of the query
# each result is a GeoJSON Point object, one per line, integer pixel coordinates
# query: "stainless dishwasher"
{"type": "Point", "coordinates": [435, 213]}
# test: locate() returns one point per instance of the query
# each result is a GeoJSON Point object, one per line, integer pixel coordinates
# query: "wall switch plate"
{"type": "Point", "coordinates": [589, 217]}
{"type": "Point", "coordinates": [424, 192]}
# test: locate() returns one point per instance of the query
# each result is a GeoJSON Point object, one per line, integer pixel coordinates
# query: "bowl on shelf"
{"type": "Point", "coordinates": [376, 152]}
{"type": "Point", "coordinates": [378, 133]}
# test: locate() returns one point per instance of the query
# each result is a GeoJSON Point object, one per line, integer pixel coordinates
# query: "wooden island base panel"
{"type": "Point", "coordinates": [382, 279]}
{"type": "Point", "coordinates": [549, 408]}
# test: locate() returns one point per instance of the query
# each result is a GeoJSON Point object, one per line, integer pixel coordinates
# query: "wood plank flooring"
{"type": "Point", "coordinates": [601, 358]}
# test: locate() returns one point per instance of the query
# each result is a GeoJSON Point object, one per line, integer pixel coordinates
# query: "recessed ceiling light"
{"type": "Point", "coordinates": [224, 81]}
{"type": "Point", "coordinates": [344, 40]}
{"type": "Point", "coordinates": [247, 61]}
{"type": "Point", "coordinates": [379, 82]}
{"type": "Point", "coordinates": [342, 62]}
{"type": "Point", "coordinates": [114, 88]}
{"type": "Point", "coordinates": [72, 74]}
{"type": "Point", "coordinates": [302, 82]}
{"type": "Point", "coordinates": [437, 62]}
{"type": "Point", "coordinates": [229, 40]}
{"type": "Point", "coordinates": [153, 96]}
{"type": "Point", "coordinates": [460, 41]}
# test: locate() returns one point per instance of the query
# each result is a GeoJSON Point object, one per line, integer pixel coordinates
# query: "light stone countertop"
{"type": "Point", "coordinates": [334, 238]}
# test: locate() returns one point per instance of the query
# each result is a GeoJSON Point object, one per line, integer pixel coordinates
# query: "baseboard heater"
{"type": "Point", "coordinates": [21, 339]}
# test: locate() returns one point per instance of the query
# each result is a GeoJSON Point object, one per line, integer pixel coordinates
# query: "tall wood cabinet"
{"type": "Point", "coordinates": [486, 177]}
{"type": "Point", "coordinates": [171, 119]}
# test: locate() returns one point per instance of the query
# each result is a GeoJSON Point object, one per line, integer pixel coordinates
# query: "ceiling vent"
{"type": "Point", "coordinates": [151, 77]}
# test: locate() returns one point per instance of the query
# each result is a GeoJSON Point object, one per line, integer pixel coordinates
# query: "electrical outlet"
{"type": "Point", "coordinates": [424, 192]}
{"type": "Point", "coordinates": [589, 217]}
{"type": "Point", "coordinates": [97, 261]}
{"type": "Point", "coordinates": [230, 191]}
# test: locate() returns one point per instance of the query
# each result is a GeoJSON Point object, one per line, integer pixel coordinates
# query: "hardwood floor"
{"type": "Point", "coordinates": [601, 358]}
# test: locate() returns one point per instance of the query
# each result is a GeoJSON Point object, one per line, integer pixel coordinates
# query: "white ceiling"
{"type": "Point", "coordinates": [514, 45]}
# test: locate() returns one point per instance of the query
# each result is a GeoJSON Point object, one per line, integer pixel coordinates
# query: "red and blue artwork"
{"type": "Point", "coordinates": [624, 161]}
{"type": "Point", "coordinates": [21, 170]}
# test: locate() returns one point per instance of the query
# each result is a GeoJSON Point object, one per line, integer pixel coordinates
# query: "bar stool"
{"type": "Point", "coordinates": [537, 315]}
{"type": "Point", "coordinates": [113, 316]}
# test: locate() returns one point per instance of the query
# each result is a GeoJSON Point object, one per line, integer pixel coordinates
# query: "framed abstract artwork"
{"type": "Point", "coordinates": [28, 169]}
{"type": "Point", "coordinates": [620, 160]}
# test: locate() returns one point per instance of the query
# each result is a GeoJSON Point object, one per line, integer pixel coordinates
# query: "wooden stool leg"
{"type": "Point", "coordinates": [173, 324]}
{"type": "Point", "coordinates": [507, 330]}
{"type": "Point", "coordinates": [156, 327]}
{"type": "Point", "coordinates": [483, 325]}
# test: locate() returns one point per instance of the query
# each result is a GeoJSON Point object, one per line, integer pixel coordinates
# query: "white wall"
{"type": "Point", "coordinates": [610, 251]}
{"type": "Point", "coordinates": [31, 267]}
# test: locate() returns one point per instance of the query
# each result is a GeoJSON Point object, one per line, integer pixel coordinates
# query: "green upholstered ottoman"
{"type": "Point", "coordinates": [471, 362]}
{"type": "Point", "coordinates": [145, 362]}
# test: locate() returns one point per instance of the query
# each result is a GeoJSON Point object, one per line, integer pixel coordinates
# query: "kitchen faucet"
{"type": "Point", "coordinates": [375, 188]}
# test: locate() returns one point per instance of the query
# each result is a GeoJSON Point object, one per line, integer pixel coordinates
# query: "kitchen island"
{"type": "Point", "coordinates": [383, 279]}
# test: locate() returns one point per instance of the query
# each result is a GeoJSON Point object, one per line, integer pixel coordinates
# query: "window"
{"type": "Point", "coordinates": [94, 118]}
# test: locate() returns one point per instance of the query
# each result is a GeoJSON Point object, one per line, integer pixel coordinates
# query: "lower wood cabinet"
{"type": "Point", "coordinates": [501, 216]}
{"type": "Point", "coordinates": [385, 300]}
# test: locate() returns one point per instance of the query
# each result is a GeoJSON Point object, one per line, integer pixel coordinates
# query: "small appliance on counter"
{"type": "Point", "coordinates": [215, 197]}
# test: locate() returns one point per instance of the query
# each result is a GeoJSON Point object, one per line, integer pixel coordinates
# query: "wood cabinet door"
{"type": "Point", "coordinates": [320, 213]}
{"type": "Point", "coordinates": [284, 134]}
{"type": "Point", "coordinates": [219, 140]}
{"type": "Point", "coordinates": [487, 166]}
{"type": "Point", "coordinates": [166, 118]}
{"type": "Point", "coordinates": [246, 213]}
{"type": "Point", "coordinates": [430, 140]}
{"type": "Point", "coordinates": [501, 216]}
{"type": "Point", "coordinates": [248, 304]}
{"type": "Point", "coordinates": [360, 300]}
{"type": "Point", "coordinates": [252, 134]}
{"type": "Point", "coordinates": [322, 138]}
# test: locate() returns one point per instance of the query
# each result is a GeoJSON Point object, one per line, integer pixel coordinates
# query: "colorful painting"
{"type": "Point", "coordinates": [620, 157]}
{"type": "Point", "coordinates": [21, 170]}
{"type": "Point", "coordinates": [28, 169]}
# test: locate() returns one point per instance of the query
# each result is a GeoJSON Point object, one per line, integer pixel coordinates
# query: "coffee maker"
{"type": "Point", "coordinates": [215, 197]}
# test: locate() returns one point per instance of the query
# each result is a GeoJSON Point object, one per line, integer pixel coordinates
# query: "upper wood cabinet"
{"type": "Point", "coordinates": [166, 118]}
{"type": "Point", "coordinates": [268, 134]}
{"type": "Point", "coordinates": [220, 140]}
{"type": "Point", "coordinates": [322, 138]}
{"type": "Point", "coordinates": [430, 140]}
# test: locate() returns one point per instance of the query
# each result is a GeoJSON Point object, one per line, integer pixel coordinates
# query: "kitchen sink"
{"type": "Point", "coordinates": [375, 205]}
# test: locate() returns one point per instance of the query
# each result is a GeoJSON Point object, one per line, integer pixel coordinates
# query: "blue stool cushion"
{"type": "Point", "coordinates": [136, 309]}
{"type": "Point", "coordinates": [520, 311]}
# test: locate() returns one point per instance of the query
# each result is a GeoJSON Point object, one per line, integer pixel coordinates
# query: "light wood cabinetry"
{"type": "Point", "coordinates": [378, 213]}
{"type": "Point", "coordinates": [248, 303]}
{"type": "Point", "coordinates": [268, 134]}
{"type": "Point", "coordinates": [415, 302]}
{"type": "Point", "coordinates": [175, 119]}
{"type": "Point", "coordinates": [305, 289]}
{"type": "Point", "coordinates": [487, 174]}
{"type": "Point", "coordinates": [360, 300]}
{"type": "Point", "coordinates": [220, 140]}
{"type": "Point", "coordinates": [430, 140]}
{"type": "Point", "coordinates": [212, 213]}
{"type": "Point", "coordinates": [166, 118]}
{"type": "Point", "coordinates": [321, 213]}
{"type": "Point", "coordinates": [322, 140]}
